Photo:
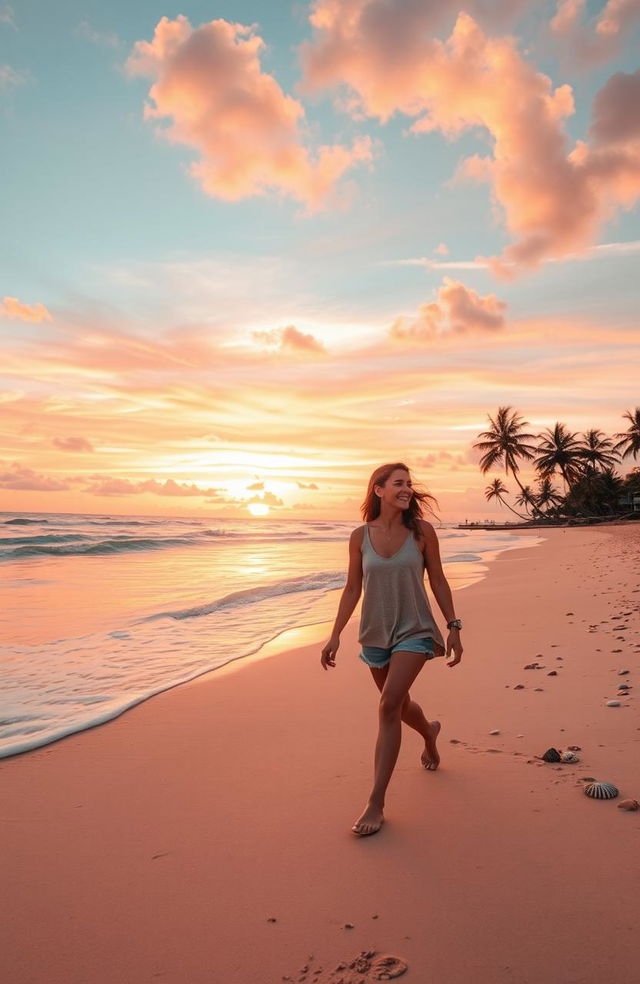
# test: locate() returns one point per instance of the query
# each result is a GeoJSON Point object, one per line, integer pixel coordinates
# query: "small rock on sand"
{"type": "Point", "coordinates": [495, 731]}
{"type": "Point", "coordinates": [613, 703]}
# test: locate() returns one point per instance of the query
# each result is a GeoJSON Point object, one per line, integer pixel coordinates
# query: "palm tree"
{"type": "Point", "coordinates": [547, 495]}
{"type": "Point", "coordinates": [595, 494]}
{"type": "Point", "coordinates": [504, 443]}
{"type": "Point", "coordinates": [528, 500]}
{"type": "Point", "coordinates": [497, 491]}
{"type": "Point", "coordinates": [629, 442]}
{"type": "Point", "coordinates": [559, 449]}
{"type": "Point", "coordinates": [598, 451]}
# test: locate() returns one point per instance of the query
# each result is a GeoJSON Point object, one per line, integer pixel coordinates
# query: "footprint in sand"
{"type": "Point", "coordinates": [367, 967]}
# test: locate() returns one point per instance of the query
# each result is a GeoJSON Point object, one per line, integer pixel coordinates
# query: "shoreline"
{"type": "Point", "coordinates": [160, 845]}
{"type": "Point", "coordinates": [112, 703]}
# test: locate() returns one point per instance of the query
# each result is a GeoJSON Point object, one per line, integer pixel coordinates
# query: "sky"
{"type": "Point", "coordinates": [251, 251]}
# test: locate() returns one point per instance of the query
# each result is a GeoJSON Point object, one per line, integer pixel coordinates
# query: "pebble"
{"type": "Point", "coordinates": [494, 732]}
{"type": "Point", "coordinates": [575, 748]}
{"type": "Point", "coordinates": [552, 673]}
{"type": "Point", "coordinates": [538, 690]}
{"type": "Point", "coordinates": [613, 703]}
{"type": "Point", "coordinates": [348, 926]}
{"type": "Point", "coordinates": [519, 686]}
{"type": "Point", "coordinates": [622, 672]}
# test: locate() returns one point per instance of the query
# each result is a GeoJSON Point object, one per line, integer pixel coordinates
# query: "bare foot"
{"type": "Point", "coordinates": [430, 757]}
{"type": "Point", "coordinates": [369, 823]}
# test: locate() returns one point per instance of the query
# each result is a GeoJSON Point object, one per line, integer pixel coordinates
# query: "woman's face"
{"type": "Point", "coordinates": [397, 490]}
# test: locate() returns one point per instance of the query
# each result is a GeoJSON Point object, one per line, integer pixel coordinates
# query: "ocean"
{"type": "Point", "coordinates": [99, 613]}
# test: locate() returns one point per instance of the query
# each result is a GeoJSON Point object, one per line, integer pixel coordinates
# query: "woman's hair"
{"type": "Point", "coordinates": [411, 516]}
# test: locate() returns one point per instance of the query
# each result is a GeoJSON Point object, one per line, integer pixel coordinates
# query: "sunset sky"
{"type": "Point", "coordinates": [252, 250]}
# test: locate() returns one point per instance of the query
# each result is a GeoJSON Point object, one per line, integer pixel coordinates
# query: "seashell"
{"type": "Point", "coordinates": [628, 805]}
{"type": "Point", "coordinates": [601, 790]}
{"type": "Point", "coordinates": [569, 757]}
{"type": "Point", "coordinates": [551, 755]}
{"type": "Point", "coordinates": [613, 703]}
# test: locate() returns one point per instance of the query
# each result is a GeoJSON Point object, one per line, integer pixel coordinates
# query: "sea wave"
{"type": "Point", "coordinates": [325, 581]}
{"type": "Point", "coordinates": [102, 548]}
{"type": "Point", "coordinates": [24, 522]}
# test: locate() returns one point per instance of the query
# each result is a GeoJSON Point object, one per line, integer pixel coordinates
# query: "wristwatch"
{"type": "Point", "coordinates": [455, 623]}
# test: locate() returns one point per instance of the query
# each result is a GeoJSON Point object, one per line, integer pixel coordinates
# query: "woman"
{"type": "Point", "coordinates": [389, 555]}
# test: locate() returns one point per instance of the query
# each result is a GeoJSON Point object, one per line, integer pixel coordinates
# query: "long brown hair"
{"type": "Point", "coordinates": [420, 500]}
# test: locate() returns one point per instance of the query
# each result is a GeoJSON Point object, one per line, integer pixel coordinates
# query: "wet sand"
{"type": "Point", "coordinates": [205, 837]}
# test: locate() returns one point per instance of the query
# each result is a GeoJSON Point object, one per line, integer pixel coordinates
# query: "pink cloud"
{"type": "Point", "coordinates": [553, 198]}
{"type": "Point", "coordinates": [616, 110]}
{"type": "Point", "coordinates": [289, 339]}
{"type": "Point", "coordinates": [250, 135]}
{"type": "Point", "coordinates": [11, 307]}
{"type": "Point", "coordinates": [600, 39]}
{"type": "Point", "coordinates": [458, 310]}
{"type": "Point", "coordinates": [72, 444]}
{"type": "Point", "coordinates": [21, 478]}
{"type": "Point", "coordinates": [102, 485]}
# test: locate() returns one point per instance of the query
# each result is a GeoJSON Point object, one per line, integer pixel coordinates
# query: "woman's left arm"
{"type": "Point", "coordinates": [440, 587]}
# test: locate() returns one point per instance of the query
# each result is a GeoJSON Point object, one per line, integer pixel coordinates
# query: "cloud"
{"type": "Point", "coordinates": [10, 307]}
{"type": "Point", "coordinates": [256, 487]}
{"type": "Point", "coordinates": [107, 38]}
{"type": "Point", "coordinates": [553, 198]}
{"type": "Point", "coordinates": [442, 249]}
{"type": "Point", "coordinates": [305, 485]}
{"type": "Point", "coordinates": [268, 498]}
{"type": "Point", "coordinates": [458, 310]}
{"type": "Point", "coordinates": [599, 252]}
{"type": "Point", "coordinates": [8, 15]}
{"type": "Point", "coordinates": [72, 444]}
{"type": "Point", "coordinates": [289, 339]}
{"type": "Point", "coordinates": [602, 38]}
{"type": "Point", "coordinates": [616, 110]}
{"type": "Point", "coordinates": [21, 478]}
{"type": "Point", "coordinates": [250, 136]}
{"type": "Point", "coordinates": [103, 485]}
{"type": "Point", "coordinates": [11, 79]}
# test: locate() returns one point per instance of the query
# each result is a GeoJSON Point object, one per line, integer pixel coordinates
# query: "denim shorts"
{"type": "Point", "coordinates": [377, 657]}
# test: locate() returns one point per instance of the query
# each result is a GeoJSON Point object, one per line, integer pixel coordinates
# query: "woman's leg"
{"type": "Point", "coordinates": [403, 669]}
{"type": "Point", "coordinates": [413, 715]}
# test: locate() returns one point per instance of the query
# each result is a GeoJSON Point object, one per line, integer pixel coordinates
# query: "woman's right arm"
{"type": "Point", "coordinates": [348, 600]}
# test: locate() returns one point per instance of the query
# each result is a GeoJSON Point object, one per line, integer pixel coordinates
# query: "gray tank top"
{"type": "Point", "coordinates": [395, 607]}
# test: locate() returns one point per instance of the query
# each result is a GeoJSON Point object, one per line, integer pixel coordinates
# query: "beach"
{"type": "Point", "coordinates": [204, 835]}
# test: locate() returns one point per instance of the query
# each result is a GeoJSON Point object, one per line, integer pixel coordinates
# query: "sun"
{"type": "Point", "coordinates": [258, 508]}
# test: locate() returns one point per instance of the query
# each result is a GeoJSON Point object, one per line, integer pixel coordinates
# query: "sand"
{"type": "Point", "coordinates": [204, 836]}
